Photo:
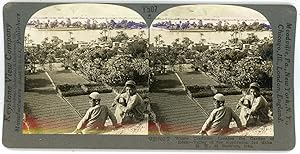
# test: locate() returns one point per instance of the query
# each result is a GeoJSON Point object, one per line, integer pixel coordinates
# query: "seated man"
{"type": "Point", "coordinates": [220, 118]}
{"type": "Point", "coordinates": [95, 117]}
{"type": "Point", "coordinates": [254, 107]}
{"type": "Point", "coordinates": [130, 105]}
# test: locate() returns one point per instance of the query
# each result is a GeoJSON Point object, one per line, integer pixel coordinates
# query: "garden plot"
{"type": "Point", "coordinates": [227, 90]}
{"type": "Point", "coordinates": [81, 103]}
{"type": "Point", "coordinates": [51, 114]}
{"type": "Point", "coordinates": [177, 114]}
{"type": "Point", "coordinates": [196, 78]}
{"type": "Point", "coordinates": [96, 87]}
{"type": "Point", "coordinates": [166, 82]}
{"type": "Point", "coordinates": [70, 90]}
{"type": "Point", "coordinates": [140, 89]}
{"type": "Point", "coordinates": [66, 77]}
{"type": "Point", "coordinates": [200, 91]}
{"type": "Point", "coordinates": [36, 81]}
{"type": "Point", "coordinates": [82, 89]}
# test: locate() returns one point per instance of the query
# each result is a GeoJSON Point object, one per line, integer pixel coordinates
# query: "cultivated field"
{"type": "Point", "coordinates": [51, 114]}
{"type": "Point", "coordinates": [66, 77]}
{"type": "Point", "coordinates": [36, 81]}
{"type": "Point", "coordinates": [196, 78]}
{"type": "Point", "coordinates": [177, 113]}
{"type": "Point", "coordinates": [166, 82]}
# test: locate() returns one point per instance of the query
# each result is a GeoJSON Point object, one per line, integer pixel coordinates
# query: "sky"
{"type": "Point", "coordinates": [114, 11]}
{"type": "Point", "coordinates": [212, 11]}
{"type": "Point", "coordinates": [86, 10]}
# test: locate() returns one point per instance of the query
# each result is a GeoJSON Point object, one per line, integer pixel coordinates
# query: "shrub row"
{"type": "Point", "coordinates": [208, 91]}
{"type": "Point", "coordinates": [202, 94]}
{"type": "Point", "coordinates": [100, 88]}
{"type": "Point", "coordinates": [228, 91]}
{"type": "Point", "coordinates": [140, 89]}
{"type": "Point", "coordinates": [224, 86]}
{"type": "Point", "coordinates": [81, 89]}
{"type": "Point", "coordinates": [200, 91]}
{"type": "Point", "coordinates": [196, 88]}
{"type": "Point", "coordinates": [70, 90]}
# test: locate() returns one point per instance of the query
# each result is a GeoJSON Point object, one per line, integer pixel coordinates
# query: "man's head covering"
{"type": "Point", "coordinates": [95, 95]}
{"type": "Point", "coordinates": [219, 97]}
{"type": "Point", "coordinates": [130, 83]}
{"type": "Point", "coordinates": [254, 85]}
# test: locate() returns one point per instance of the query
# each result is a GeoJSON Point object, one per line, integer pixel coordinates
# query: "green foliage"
{"type": "Point", "coordinates": [121, 36]}
{"type": "Point", "coordinates": [196, 88]}
{"type": "Point", "coordinates": [239, 67]}
{"type": "Point", "coordinates": [233, 55]}
{"type": "Point", "coordinates": [121, 68]}
{"type": "Point", "coordinates": [70, 90]}
{"type": "Point", "coordinates": [200, 91]}
{"type": "Point", "coordinates": [82, 89]}
{"type": "Point", "coordinates": [138, 48]}
{"type": "Point", "coordinates": [31, 58]}
{"type": "Point", "coordinates": [158, 57]}
{"type": "Point", "coordinates": [267, 51]}
{"type": "Point", "coordinates": [227, 90]}
{"type": "Point", "coordinates": [251, 38]}
{"type": "Point", "coordinates": [97, 87]}
{"type": "Point", "coordinates": [44, 53]}
{"type": "Point", "coordinates": [200, 47]}
{"type": "Point", "coordinates": [161, 55]}
{"type": "Point", "coordinates": [202, 94]}
{"type": "Point", "coordinates": [253, 69]}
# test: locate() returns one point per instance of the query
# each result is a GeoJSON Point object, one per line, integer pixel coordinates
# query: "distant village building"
{"type": "Point", "coordinates": [200, 23]}
{"type": "Point", "coordinates": [129, 41]}
{"type": "Point", "coordinates": [246, 46]}
{"type": "Point", "coordinates": [203, 46]}
{"type": "Point", "coordinates": [122, 45]}
{"type": "Point", "coordinates": [69, 46]}
{"type": "Point", "coordinates": [116, 44]}
{"type": "Point", "coordinates": [31, 45]}
{"type": "Point", "coordinates": [261, 43]}
{"type": "Point", "coordinates": [226, 46]}
{"type": "Point", "coordinates": [83, 44]}
{"type": "Point", "coordinates": [213, 46]}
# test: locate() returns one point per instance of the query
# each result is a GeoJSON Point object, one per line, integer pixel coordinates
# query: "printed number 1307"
{"type": "Point", "coordinates": [150, 9]}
